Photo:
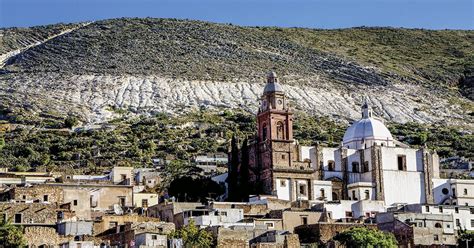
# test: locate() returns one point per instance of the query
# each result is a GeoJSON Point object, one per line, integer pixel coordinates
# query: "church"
{"type": "Point", "coordinates": [368, 165]}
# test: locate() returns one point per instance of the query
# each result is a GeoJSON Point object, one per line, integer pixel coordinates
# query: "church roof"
{"type": "Point", "coordinates": [367, 128]}
{"type": "Point", "coordinates": [272, 84]}
{"type": "Point", "coordinates": [272, 87]}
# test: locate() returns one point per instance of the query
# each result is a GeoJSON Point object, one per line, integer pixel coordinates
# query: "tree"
{"type": "Point", "coordinates": [2, 143]}
{"type": "Point", "coordinates": [233, 174]}
{"type": "Point", "coordinates": [244, 173]}
{"type": "Point", "coordinates": [465, 238]}
{"type": "Point", "coordinates": [193, 236]}
{"type": "Point", "coordinates": [71, 121]}
{"type": "Point", "coordinates": [10, 235]}
{"type": "Point", "coordinates": [365, 237]}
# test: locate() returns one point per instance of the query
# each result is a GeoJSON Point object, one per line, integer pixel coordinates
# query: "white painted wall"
{"type": "Point", "coordinates": [283, 188]}
{"type": "Point", "coordinates": [390, 161]}
{"type": "Point", "coordinates": [322, 185]}
{"type": "Point", "coordinates": [403, 187]}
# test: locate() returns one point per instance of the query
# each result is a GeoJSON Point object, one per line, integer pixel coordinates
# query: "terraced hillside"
{"type": "Point", "coordinates": [168, 65]}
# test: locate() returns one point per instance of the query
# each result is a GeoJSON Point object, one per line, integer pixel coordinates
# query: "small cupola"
{"type": "Point", "coordinates": [366, 109]}
{"type": "Point", "coordinates": [272, 84]}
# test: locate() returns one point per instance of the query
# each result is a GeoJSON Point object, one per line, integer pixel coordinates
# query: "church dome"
{"type": "Point", "coordinates": [367, 131]}
{"type": "Point", "coordinates": [272, 84]}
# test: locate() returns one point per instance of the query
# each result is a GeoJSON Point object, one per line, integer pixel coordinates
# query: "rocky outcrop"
{"type": "Point", "coordinates": [93, 96]}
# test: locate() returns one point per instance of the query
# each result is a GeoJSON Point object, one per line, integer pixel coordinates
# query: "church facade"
{"type": "Point", "coordinates": [369, 165]}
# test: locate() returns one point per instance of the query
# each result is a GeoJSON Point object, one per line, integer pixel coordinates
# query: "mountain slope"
{"type": "Point", "coordinates": [149, 65]}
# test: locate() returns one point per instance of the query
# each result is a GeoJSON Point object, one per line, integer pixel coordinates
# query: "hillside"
{"type": "Point", "coordinates": [167, 65]}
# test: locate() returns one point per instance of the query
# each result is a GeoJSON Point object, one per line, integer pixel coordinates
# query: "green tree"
{"type": "Point", "coordinates": [2, 143]}
{"type": "Point", "coordinates": [193, 236]}
{"type": "Point", "coordinates": [465, 238]}
{"type": "Point", "coordinates": [365, 237]}
{"type": "Point", "coordinates": [244, 173]}
{"type": "Point", "coordinates": [11, 236]}
{"type": "Point", "coordinates": [71, 121]}
{"type": "Point", "coordinates": [233, 174]}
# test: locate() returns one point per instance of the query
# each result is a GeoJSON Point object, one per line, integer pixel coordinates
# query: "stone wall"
{"type": "Point", "coordinates": [38, 193]}
{"type": "Point", "coordinates": [30, 212]}
{"type": "Point", "coordinates": [38, 235]}
{"type": "Point", "coordinates": [325, 231]}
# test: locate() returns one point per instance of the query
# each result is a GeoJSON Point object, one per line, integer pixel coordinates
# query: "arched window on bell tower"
{"type": "Point", "coordinates": [264, 131]}
{"type": "Point", "coordinates": [280, 130]}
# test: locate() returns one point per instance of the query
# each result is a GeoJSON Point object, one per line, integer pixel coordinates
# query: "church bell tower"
{"type": "Point", "coordinates": [275, 121]}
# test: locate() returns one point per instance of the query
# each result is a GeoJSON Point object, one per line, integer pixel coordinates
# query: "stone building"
{"type": "Point", "coordinates": [418, 229]}
{"type": "Point", "coordinates": [139, 234]}
{"type": "Point", "coordinates": [276, 167]}
{"type": "Point", "coordinates": [369, 165]}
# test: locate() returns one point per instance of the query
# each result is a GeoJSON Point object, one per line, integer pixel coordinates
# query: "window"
{"type": "Point", "coordinates": [454, 192]}
{"type": "Point", "coordinates": [154, 237]}
{"type": "Point", "coordinates": [122, 201]}
{"type": "Point", "coordinates": [335, 197]}
{"type": "Point", "coordinates": [427, 209]}
{"type": "Point", "coordinates": [323, 194]}
{"type": "Point", "coordinates": [471, 210]}
{"type": "Point", "coordinates": [283, 156]}
{"type": "Point", "coordinates": [472, 222]}
{"type": "Point", "coordinates": [354, 195]}
{"type": "Point", "coordinates": [24, 197]}
{"type": "Point", "coordinates": [456, 210]}
{"type": "Point", "coordinates": [330, 165]}
{"type": "Point", "coordinates": [45, 198]}
{"type": "Point", "coordinates": [458, 223]}
{"type": "Point", "coordinates": [440, 209]}
{"type": "Point", "coordinates": [282, 183]}
{"type": "Point", "coordinates": [18, 218]}
{"type": "Point", "coordinates": [223, 213]}
{"type": "Point", "coordinates": [366, 166]}
{"type": "Point", "coordinates": [348, 214]}
{"type": "Point", "coordinates": [438, 225]}
{"type": "Point", "coordinates": [144, 203]}
{"type": "Point", "coordinates": [280, 130]}
{"type": "Point", "coordinates": [269, 224]}
{"type": "Point", "coordinates": [435, 237]}
{"type": "Point", "coordinates": [264, 131]}
{"type": "Point", "coordinates": [367, 194]}
{"type": "Point", "coordinates": [123, 177]}
{"type": "Point", "coordinates": [445, 191]}
{"type": "Point", "coordinates": [465, 191]}
{"type": "Point", "coordinates": [302, 189]}
{"type": "Point", "coordinates": [402, 162]}
{"type": "Point", "coordinates": [355, 167]}
{"type": "Point", "coordinates": [75, 202]}
{"type": "Point", "coordinates": [304, 220]}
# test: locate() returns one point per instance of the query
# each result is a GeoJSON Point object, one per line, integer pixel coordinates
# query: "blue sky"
{"type": "Point", "coordinates": [430, 14]}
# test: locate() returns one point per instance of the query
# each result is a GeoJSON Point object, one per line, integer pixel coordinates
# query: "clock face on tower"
{"type": "Point", "coordinates": [280, 102]}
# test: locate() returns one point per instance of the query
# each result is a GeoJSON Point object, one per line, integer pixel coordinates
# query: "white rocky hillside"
{"type": "Point", "coordinates": [92, 97]}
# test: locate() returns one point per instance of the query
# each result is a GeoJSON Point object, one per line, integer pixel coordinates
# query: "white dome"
{"type": "Point", "coordinates": [366, 129]}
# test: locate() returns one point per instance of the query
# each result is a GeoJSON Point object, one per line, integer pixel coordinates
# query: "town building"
{"type": "Point", "coordinates": [419, 229]}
